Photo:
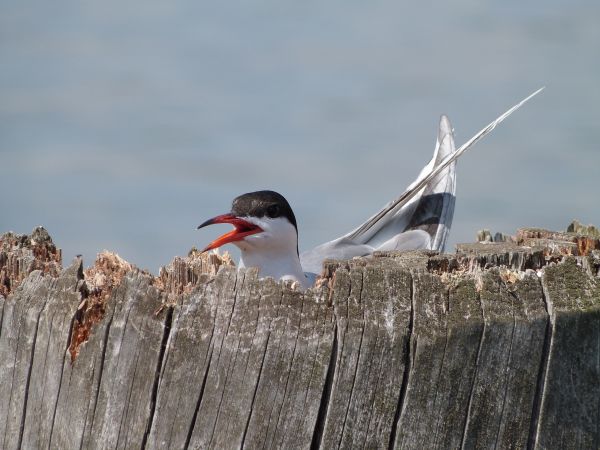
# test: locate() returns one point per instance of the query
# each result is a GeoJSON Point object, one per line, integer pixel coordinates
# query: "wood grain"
{"type": "Point", "coordinates": [413, 350]}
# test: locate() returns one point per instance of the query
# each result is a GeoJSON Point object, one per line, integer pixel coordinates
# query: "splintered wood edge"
{"type": "Point", "coordinates": [532, 248]}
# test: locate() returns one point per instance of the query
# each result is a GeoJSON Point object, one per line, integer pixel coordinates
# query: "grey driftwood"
{"type": "Point", "coordinates": [497, 346]}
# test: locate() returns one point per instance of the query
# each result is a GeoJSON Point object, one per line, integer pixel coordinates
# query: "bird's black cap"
{"type": "Point", "coordinates": [263, 203]}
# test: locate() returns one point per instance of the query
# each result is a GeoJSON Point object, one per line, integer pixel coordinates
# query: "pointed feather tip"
{"type": "Point", "coordinates": [533, 94]}
{"type": "Point", "coordinates": [445, 129]}
{"type": "Point", "coordinates": [445, 125]}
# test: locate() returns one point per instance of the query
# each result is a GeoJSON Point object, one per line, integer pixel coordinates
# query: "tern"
{"type": "Point", "coordinates": [266, 230]}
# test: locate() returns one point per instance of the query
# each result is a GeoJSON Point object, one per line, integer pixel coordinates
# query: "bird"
{"type": "Point", "coordinates": [266, 230]}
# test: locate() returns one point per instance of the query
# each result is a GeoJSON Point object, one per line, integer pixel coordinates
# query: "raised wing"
{"type": "Point", "coordinates": [430, 211]}
{"type": "Point", "coordinates": [422, 222]}
{"type": "Point", "coordinates": [419, 218]}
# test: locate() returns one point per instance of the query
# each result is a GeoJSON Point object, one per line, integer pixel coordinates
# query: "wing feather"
{"type": "Point", "coordinates": [421, 182]}
{"type": "Point", "coordinates": [416, 210]}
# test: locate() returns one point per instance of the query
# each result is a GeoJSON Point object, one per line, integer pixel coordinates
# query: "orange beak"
{"type": "Point", "coordinates": [243, 228]}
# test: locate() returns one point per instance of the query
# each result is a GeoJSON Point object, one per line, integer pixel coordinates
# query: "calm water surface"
{"type": "Point", "coordinates": [123, 125]}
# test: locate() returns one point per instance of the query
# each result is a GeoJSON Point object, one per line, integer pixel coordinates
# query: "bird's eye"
{"type": "Point", "coordinates": [273, 211]}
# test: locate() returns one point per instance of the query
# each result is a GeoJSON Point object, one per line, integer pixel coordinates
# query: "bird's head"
{"type": "Point", "coordinates": [263, 220]}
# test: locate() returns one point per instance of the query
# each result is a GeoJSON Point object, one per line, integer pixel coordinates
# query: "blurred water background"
{"type": "Point", "coordinates": [125, 124]}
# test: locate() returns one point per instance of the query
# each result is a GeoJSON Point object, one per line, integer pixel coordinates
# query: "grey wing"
{"type": "Point", "coordinates": [435, 209]}
{"type": "Point", "coordinates": [341, 248]}
{"type": "Point", "coordinates": [413, 225]}
{"type": "Point", "coordinates": [419, 218]}
{"type": "Point", "coordinates": [430, 211]}
{"type": "Point", "coordinates": [407, 200]}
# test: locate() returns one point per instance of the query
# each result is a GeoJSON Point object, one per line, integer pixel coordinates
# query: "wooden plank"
{"type": "Point", "coordinates": [366, 359]}
{"type": "Point", "coordinates": [346, 303]}
{"type": "Point", "coordinates": [391, 307]}
{"type": "Point", "coordinates": [271, 322]}
{"type": "Point", "coordinates": [312, 396]}
{"type": "Point", "coordinates": [17, 344]}
{"type": "Point", "coordinates": [186, 362]}
{"type": "Point", "coordinates": [392, 351]}
{"type": "Point", "coordinates": [525, 362]}
{"type": "Point", "coordinates": [277, 368]}
{"type": "Point", "coordinates": [485, 408]}
{"type": "Point", "coordinates": [245, 345]}
{"type": "Point", "coordinates": [372, 308]}
{"type": "Point", "coordinates": [455, 380]}
{"type": "Point", "coordinates": [428, 352]}
{"type": "Point", "coordinates": [224, 341]}
{"type": "Point", "coordinates": [279, 313]}
{"type": "Point", "coordinates": [79, 386]}
{"type": "Point", "coordinates": [50, 355]}
{"type": "Point", "coordinates": [304, 386]}
{"type": "Point", "coordinates": [132, 356]}
{"type": "Point", "coordinates": [508, 365]}
{"type": "Point", "coordinates": [570, 408]}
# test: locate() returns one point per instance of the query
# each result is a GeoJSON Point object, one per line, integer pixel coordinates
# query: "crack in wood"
{"type": "Point", "coordinates": [377, 383]}
{"type": "Point", "coordinates": [362, 334]}
{"type": "Point", "coordinates": [366, 304]}
{"type": "Point", "coordinates": [163, 346]}
{"type": "Point", "coordinates": [326, 394]}
{"type": "Point", "coordinates": [409, 354]}
{"type": "Point", "coordinates": [26, 397]}
{"type": "Point", "coordinates": [279, 338]}
{"type": "Point", "coordinates": [315, 357]}
{"type": "Point", "coordinates": [223, 343]}
{"type": "Point", "coordinates": [537, 402]}
{"type": "Point", "coordinates": [114, 380]}
{"type": "Point", "coordinates": [226, 297]}
{"type": "Point", "coordinates": [44, 367]}
{"type": "Point", "coordinates": [199, 401]}
{"type": "Point", "coordinates": [289, 370]}
{"type": "Point", "coordinates": [99, 383]}
{"type": "Point", "coordinates": [435, 398]}
{"type": "Point", "coordinates": [507, 367]}
{"type": "Point", "coordinates": [269, 297]}
{"type": "Point", "coordinates": [128, 403]}
{"type": "Point", "coordinates": [276, 404]}
{"type": "Point", "coordinates": [62, 370]}
{"type": "Point", "coordinates": [178, 328]}
{"type": "Point", "coordinates": [262, 363]}
{"type": "Point", "coordinates": [542, 382]}
{"type": "Point", "coordinates": [2, 301]}
{"type": "Point", "coordinates": [470, 402]}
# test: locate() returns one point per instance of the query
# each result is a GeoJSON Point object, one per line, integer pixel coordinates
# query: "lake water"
{"type": "Point", "coordinates": [123, 125]}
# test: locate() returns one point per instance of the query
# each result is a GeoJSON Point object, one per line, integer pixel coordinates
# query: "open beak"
{"type": "Point", "coordinates": [243, 228]}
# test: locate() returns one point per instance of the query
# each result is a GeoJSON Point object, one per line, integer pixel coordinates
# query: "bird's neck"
{"type": "Point", "coordinates": [276, 263]}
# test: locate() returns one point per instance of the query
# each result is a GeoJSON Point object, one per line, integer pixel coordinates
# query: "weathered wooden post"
{"type": "Point", "coordinates": [495, 346]}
